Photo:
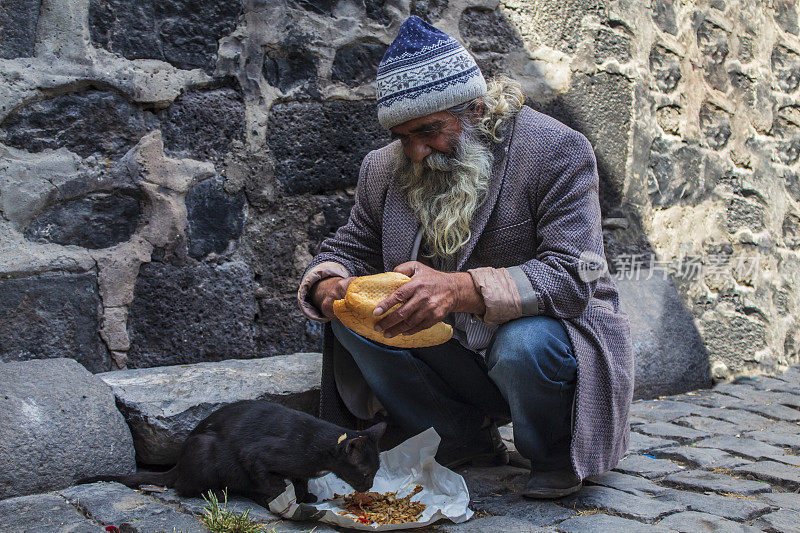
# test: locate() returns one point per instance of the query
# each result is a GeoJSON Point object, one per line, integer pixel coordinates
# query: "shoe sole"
{"type": "Point", "coordinates": [547, 494]}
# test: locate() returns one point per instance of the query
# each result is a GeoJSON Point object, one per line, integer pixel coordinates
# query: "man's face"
{"type": "Point", "coordinates": [437, 132]}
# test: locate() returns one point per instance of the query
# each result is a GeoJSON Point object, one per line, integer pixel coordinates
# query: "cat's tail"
{"type": "Point", "coordinates": [134, 480]}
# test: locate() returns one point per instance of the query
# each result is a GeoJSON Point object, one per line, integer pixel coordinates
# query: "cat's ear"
{"type": "Point", "coordinates": [376, 431]}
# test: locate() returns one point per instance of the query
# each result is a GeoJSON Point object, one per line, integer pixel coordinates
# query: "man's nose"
{"type": "Point", "coordinates": [417, 151]}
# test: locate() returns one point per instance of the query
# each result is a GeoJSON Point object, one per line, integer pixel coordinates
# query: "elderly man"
{"type": "Point", "coordinates": [492, 209]}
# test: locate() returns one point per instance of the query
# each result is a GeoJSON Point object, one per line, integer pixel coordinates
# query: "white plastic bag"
{"type": "Point", "coordinates": [405, 466]}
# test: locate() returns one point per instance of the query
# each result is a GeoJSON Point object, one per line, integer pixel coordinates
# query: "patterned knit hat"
{"type": "Point", "coordinates": [423, 71]}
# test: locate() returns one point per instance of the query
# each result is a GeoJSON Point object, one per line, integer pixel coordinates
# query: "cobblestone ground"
{"type": "Point", "coordinates": [721, 460]}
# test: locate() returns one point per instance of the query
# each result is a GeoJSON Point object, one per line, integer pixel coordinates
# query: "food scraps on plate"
{"type": "Point", "coordinates": [382, 508]}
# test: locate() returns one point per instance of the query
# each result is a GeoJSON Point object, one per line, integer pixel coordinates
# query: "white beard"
{"type": "Point", "coordinates": [445, 190]}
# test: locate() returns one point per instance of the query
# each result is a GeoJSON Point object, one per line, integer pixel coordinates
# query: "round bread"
{"type": "Point", "coordinates": [366, 292]}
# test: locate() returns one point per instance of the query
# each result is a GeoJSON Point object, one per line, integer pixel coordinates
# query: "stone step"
{"type": "Point", "coordinates": [91, 508]}
{"type": "Point", "coordinates": [163, 404]}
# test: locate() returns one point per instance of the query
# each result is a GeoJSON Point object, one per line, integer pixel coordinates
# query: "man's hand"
{"type": "Point", "coordinates": [428, 298]}
{"type": "Point", "coordinates": [325, 291]}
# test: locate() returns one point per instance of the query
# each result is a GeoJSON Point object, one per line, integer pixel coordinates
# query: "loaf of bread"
{"type": "Point", "coordinates": [363, 295]}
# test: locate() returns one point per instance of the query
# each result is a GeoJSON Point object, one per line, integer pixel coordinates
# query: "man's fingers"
{"type": "Point", "coordinates": [415, 317]}
{"type": "Point", "coordinates": [409, 268]}
{"type": "Point", "coordinates": [401, 314]}
{"type": "Point", "coordinates": [397, 297]}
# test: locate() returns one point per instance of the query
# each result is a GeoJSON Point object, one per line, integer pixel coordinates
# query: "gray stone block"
{"type": "Point", "coordinates": [620, 503]}
{"type": "Point", "coordinates": [116, 505]}
{"type": "Point", "coordinates": [705, 458]}
{"type": "Point", "coordinates": [603, 522]}
{"type": "Point", "coordinates": [58, 424]}
{"type": "Point", "coordinates": [773, 473]}
{"type": "Point", "coordinates": [45, 513]}
{"type": "Point", "coordinates": [666, 410]}
{"type": "Point", "coordinates": [669, 352]}
{"type": "Point", "coordinates": [18, 28]}
{"type": "Point", "coordinates": [627, 483]}
{"type": "Point", "coordinates": [495, 524]}
{"type": "Point", "coordinates": [540, 513]}
{"type": "Point", "coordinates": [638, 443]}
{"type": "Point", "coordinates": [701, 481]}
{"type": "Point", "coordinates": [710, 425]}
{"type": "Point", "coordinates": [52, 316]}
{"type": "Point", "coordinates": [191, 313]}
{"type": "Point", "coordinates": [694, 522]}
{"type": "Point", "coordinates": [666, 430]}
{"type": "Point", "coordinates": [779, 522]}
{"type": "Point", "coordinates": [648, 467]}
{"type": "Point", "coordinates": [783, 500]}
{"type": "Point", "coordinates": [730, 507]}
{"type": "Point", "coordinates": [162, 405]}
{"type": "Point", "coordinates": [748, 448]}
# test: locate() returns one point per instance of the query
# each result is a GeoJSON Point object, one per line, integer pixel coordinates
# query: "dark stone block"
{"type": "Point", "coordinates": [47, 317]}
{"type": "Point", "coordinates": [790, 230]}
{"type": "Point", "coordinates": [663, 13]}
{"type": "Point", "coordinates": [95, 221]}
{"type": "Point", "coordinates": [290, 68]}
{"type": "Point", "coordinates": [674, 174]}
{"type": "Point", "coordinates": [486, 30]}
{"type": "Point", "coordinates": [668, 350]}
{"type": "Point", "coordinates": [428, 10]}
{"type": "Point", "coordinates": [18, 20]}
{"type": "Point", "coordinates": [203, 124]}
{"type": "Point", "coordinates": [335, 212]}
{"type": "Point", "coordinates": [319, 146]}
{"type": "Point", "coordinates": [786, 66]}
{"type": "Point", "coordinates": [90, 122]}
{"type": "Point", "coordinates": [713, 43]}
{"type": "Point", "coordinates": [191, 313]}
{"type": "Point", "coordinates": [181, 32]}
{"type": "Point", "coordinates": [357, 63]}
{"type": "Point", "coordinates": [323, 7]}
{"type": "Point", "coordinates": [785, 13]}
{"type": "Point", "coordinates": [609, 44]}
{"type": "Point", "coordinates": [281, 328]}
{"type": "Point", "coordinates": [715, 125]}
{"type": "Point", "coordinates": [376, 10]}
{"type": "Point", "coordinates": [599, 106]}
{"type": "Point", "coordinates": [215, 217]}
{"type": "Point", "coordinates": [743, 213]}
{"type": "Point", "coordinates": [666, 68]}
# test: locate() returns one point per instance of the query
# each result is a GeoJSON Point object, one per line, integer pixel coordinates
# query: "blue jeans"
{"type": "Point", "coordinates": [528, 375]}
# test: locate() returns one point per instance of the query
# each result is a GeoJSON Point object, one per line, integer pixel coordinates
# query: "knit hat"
{"type": "Point", "coordinates": [423, 71]}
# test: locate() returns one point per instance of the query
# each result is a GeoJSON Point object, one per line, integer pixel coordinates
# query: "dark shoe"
{"type": "Point", "coordinates": [552, 484]}
{"type": "Point", "coordinates": [486, 449]}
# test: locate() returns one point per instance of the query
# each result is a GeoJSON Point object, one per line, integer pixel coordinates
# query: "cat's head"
{"type": "Point", "coordinates": [356, 457]}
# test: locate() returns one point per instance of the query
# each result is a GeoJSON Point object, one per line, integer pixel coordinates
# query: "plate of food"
{"type": "Point", "coordinates": [410, 490]}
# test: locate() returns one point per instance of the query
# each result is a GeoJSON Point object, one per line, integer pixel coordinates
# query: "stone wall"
{"type": "Point", "coordinates": [167, 169]}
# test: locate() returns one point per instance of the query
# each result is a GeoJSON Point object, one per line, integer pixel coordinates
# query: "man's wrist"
{"type": "Point", "coordinates": [468, 297]}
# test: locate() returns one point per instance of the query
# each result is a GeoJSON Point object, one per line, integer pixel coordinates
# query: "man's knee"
{"type": "Point", "coordinates": [533, 348]}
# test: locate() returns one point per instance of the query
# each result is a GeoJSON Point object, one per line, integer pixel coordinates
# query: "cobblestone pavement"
{"type": "Point", "coordinates": [722, 460]}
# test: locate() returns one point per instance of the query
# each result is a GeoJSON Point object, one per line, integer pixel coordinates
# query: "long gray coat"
{"type": "Point", "coordinates": [541, 213]}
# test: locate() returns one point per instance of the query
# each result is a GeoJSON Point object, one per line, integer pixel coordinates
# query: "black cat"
{"type": "Point", "coordinates": [251, 446]}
